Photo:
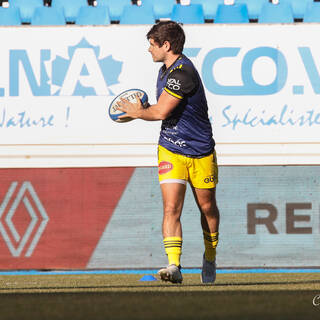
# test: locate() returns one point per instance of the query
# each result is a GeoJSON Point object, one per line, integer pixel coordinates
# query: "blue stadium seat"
{"type": "Point", "coordinates": [276, 13]}
{"type": "Point", "coordinates": [93, 16]}
{"type": "Point", "coordinates": [115, 7]}
{"type": "Point", "coordinates": [298, 7]}
{"type": "Point", "coordinates": [254, 7]}
{"type": "Point", "coordinates": [133, 14]}
{"type": "Point", "coordinates": [70, 7]}
{"type": "Point", "coordinates": [188, 14]}
{"type": "Point", "coordinates": [9, 16]}
{"type": "Point", "coordinates": [26, 8]}
{"type": "Point", "coordinates": [161, 8]}
{"type": "Point", "coordinates": [312, 13]}
{"type": "Point", "coordinates": [48, 16]}
{"type": "Point", "coordinates": [236, 13]}
{"type": "Point", "coordinates": [209, 7]}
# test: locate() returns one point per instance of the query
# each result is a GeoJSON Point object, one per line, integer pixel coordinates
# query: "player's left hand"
{"type": "Point", "coordinates": [131, 109]}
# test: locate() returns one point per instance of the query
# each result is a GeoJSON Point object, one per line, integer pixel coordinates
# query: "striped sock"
{"type": "Point", "coordinates": [173, 248]}
{"type": "Point", "coordinates": [210, 244]}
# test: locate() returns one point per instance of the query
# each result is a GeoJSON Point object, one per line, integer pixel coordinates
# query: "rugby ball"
{"type": "Point", "coordinates": [131, 96]}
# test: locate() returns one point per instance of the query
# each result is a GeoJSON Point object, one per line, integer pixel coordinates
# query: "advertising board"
{"type": "Point", "coordinates": [262, 84]}
{"type": "Point", "coordinates": [91, 218]}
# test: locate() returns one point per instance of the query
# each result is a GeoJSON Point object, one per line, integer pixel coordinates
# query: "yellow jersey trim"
{"type": "Point", "coordinates": [178, 67]}
{"type": "Point", "coordinates": [173, 94]}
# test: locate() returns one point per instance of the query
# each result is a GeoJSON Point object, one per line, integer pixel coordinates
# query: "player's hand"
{"type": "Point", "coordinates": [132, 110]}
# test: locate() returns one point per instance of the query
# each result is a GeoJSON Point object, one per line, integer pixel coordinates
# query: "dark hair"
{"type": "Point", "coordinates": [168, 31]}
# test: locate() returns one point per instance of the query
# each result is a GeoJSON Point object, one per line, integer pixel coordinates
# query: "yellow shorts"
{"type": "Point", "coordinates": [202, 173]}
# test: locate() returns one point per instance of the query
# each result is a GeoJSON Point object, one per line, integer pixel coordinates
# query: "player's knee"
{"type": "Point", "coordinates": [172, 209]}
{"type": "Point", "coordinates": [209, 209]}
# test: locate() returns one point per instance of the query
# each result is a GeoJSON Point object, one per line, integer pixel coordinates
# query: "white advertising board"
{"type": "Point", "coordinates": [262, 84]}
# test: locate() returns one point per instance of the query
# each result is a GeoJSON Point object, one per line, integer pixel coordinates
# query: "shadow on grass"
{"type": "Point", "coordinates": [158, 285]}
{"type": "Point", "coordinates": [195, 305]}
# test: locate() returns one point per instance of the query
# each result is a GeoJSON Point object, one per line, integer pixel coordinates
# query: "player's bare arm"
{"type": "Point", "coordinates": [159, 111]}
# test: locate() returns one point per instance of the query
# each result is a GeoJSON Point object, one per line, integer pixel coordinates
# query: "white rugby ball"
{"type": "Point", "coordinates": [131, 96]}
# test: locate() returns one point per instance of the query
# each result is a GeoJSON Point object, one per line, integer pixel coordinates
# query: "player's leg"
{"type": "Point", "coordinates": [210, 218]}
{"type": "Point", "coordinates": [204, 178]}
{"type": "Point", "coordinates": [173, 198]}
{"type": "Point", "coordinates": [173, 179]}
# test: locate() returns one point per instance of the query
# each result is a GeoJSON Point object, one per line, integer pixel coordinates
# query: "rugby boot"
{"type": "Point", "coordinates": [208, 273]}
{"type": "Point", "coordinates": [171, 273]}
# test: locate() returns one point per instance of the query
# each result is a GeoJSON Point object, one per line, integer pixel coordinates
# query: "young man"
{"type": "Point", "coordinates": [186, 147]}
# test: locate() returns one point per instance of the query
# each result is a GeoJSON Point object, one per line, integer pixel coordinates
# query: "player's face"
{"type": "Point", "coordinates": [158, 53]}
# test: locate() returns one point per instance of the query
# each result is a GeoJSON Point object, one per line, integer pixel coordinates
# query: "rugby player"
{"type": "Point", "coordinates": [186, 147]}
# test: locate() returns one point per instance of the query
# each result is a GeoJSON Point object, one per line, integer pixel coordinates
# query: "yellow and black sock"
{"type": "Point", "coordinates": [173, 248]}
{"type": "Point", "coordinates": [210, 244]}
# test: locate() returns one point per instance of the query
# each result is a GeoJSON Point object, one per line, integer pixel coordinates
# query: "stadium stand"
{"type": "Point", "coordinates": [70, 8]}
{"type": "Point", "coordinates": [116, 7]}
{"type": "Point", "coordinates": [298, 7]}
{"type": "Point", "coordinates": [236, 13]}
{"type": "Point", "coordinates": [26, 8]}
{"type": "Point", "coordinates": [276, 13]}
{"type": "Point", "coordinates": [10, 16]}
{"type": "Point", "coordinates": [209, 8]}
{"type": "Point", "coordinates": [48, 16]}
{"type": "Point", "coordinates": [188, 14]}
{"type": "Point", "coordinates": [254, 7]}
{"type": "Point", "coordinates": [133, 14]}
{"type": "Point", "coordinates": [89, 15]}
{"type": "Point", "coordinates": [162, 9]}
{"type": "Point", "coordinates": [183, 11]}
{"type": "Point", "coordinates": [312, 13]}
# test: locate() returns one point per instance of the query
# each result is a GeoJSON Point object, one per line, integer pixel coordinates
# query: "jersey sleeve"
{"type": "Point", "coordinates": [181, 82]}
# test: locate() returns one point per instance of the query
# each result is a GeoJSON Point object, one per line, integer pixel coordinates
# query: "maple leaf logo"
{"type": "Point", "coordinates": [105, 69]}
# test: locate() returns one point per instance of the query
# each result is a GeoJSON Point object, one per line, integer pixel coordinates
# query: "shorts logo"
{"type": "Point", "coordinates": [165, 167]}
{"type": "Point", "coordinates": [209, 179]}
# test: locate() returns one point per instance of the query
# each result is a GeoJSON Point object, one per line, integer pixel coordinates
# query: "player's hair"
{"type": "Point", "coordinates": [168, 31]}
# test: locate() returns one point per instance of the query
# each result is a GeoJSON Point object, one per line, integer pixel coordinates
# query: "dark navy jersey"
{"type": "Point", "coordinates": [187, 130]}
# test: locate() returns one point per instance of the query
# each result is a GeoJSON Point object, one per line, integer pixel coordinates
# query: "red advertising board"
{"type": "Point", "coordinates": [54, 218]}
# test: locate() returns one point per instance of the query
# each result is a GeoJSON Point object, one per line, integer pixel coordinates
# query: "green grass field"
{"type": "Point", "coordinates": [234, 296]}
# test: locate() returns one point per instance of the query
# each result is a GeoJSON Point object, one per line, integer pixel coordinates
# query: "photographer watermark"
{"type": "Point", "coordinates": [316, 300]}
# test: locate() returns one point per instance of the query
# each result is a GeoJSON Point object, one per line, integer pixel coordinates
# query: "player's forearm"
{"type": "Point", "coordinates": [153, 113]}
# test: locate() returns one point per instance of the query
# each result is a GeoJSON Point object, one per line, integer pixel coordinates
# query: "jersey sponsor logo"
{"type": "Point", "coordinates": [165, 167]}
{"type": "Point", "coordinates": [173, 84]}
{"type": "Point", "coordinates": [209, 179]}
{"type": "Point", "coordinates": [180, 143]}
